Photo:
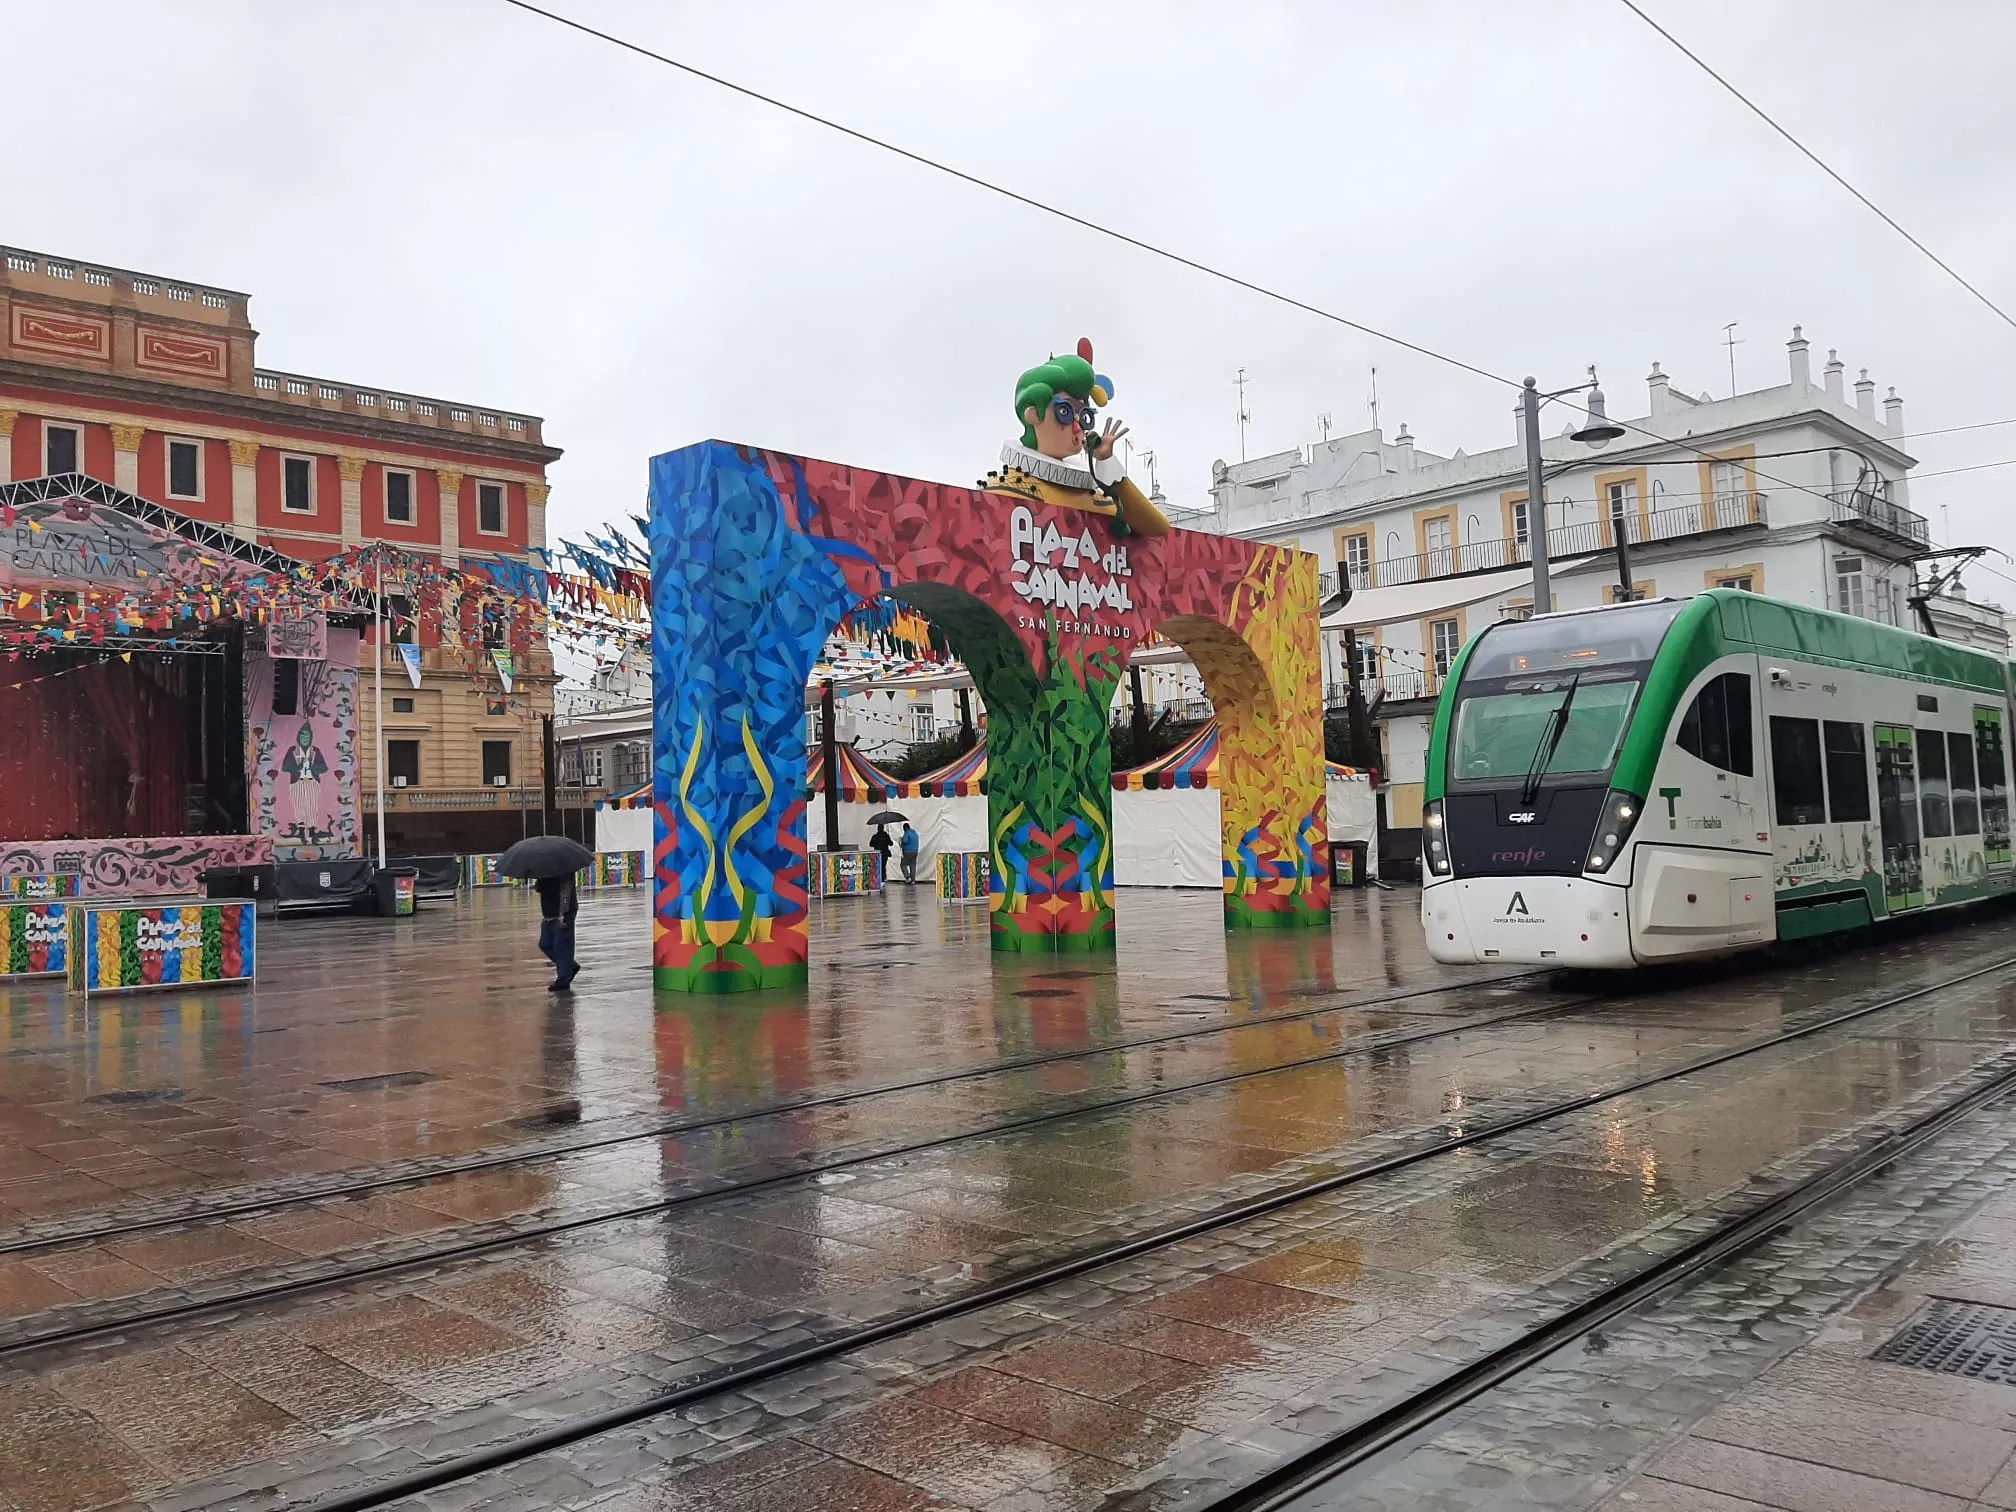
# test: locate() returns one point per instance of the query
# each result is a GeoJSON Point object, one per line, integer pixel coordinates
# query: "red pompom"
{"type": "Point", "coordinates": [1085, 347]}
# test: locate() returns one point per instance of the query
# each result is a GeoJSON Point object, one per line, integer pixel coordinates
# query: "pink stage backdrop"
{"type": "Point", "coordinates": [301, 768]}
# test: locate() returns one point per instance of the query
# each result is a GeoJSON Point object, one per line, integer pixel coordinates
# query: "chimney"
{"type": "Point", "coordinates": [1833, 372]}
{"type": "Point", "coordinates": [1802, 366]}
{"type": "Point", "coordinates": [1403, 444]}
{"type": "Point", "coordinates": [1655, 381]}
{"type": "Point", "coordinates": [1893, 411]}
{"type": "Point", "coordinates": [1865, 394]}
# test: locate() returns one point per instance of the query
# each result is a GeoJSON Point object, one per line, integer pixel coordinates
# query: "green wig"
{"type": "Point", "coordinates": [1037, 387]}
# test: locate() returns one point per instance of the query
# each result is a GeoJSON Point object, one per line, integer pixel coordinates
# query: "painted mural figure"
{"type": "Point", "coordinates": [1064, 458]}
{"type": "Point", "coordinates": [304, 768]}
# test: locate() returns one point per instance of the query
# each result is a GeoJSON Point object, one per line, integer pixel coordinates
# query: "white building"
{"type": "Point", "coordinates": [1798, 491]}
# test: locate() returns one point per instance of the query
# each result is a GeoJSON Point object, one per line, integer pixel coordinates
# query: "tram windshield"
{"type": "Point", "coordinates": [1553, 696]}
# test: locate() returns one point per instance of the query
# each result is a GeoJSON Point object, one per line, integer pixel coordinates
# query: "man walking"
{"type": "Point", "coordinates": [558, 903]}
{"type": "Point", "coordinates": [912, 842]}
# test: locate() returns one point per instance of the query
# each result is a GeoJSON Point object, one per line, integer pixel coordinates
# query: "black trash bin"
{"type": "Point", "coordinates": [396, 890]}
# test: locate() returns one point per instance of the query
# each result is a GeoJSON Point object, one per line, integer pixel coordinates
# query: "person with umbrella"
{"type": "Point", "coordinates": [550, 862]}
{"type": "Point", "coordinates": [879, 842]}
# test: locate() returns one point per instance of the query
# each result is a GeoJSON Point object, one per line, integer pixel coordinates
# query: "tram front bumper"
{"type": "Point", "coordinates": [1530, 921]}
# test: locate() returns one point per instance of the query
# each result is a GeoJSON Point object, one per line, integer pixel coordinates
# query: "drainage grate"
{"type": "Point", "coordinates": [1063, 976]}
{"type": "Point", "coordinates": [382, 1083]}
{"type": "Point", "coordinates": [1045, 992]}
{"type": "Point", "coordinates": [138, 1095]}
{"type": "Point", "coordinates": [1958, 1338]}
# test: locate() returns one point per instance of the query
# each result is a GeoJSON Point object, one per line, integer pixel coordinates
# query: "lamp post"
{"type": "Point", "coordinates": [1598, 432]}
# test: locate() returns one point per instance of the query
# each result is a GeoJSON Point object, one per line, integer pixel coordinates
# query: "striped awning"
{"type": "Point", "coordinates": [861, 781]}
{"type": "Point", "coordinates": [1193, 764]}
{"type": "Point", "coordinates": [962, 777]}
{"type": "Point", "coordinates": [636, 798]}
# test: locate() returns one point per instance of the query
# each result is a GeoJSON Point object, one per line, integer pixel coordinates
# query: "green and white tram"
{"type": "Point", "coordinates": [1617, 787]}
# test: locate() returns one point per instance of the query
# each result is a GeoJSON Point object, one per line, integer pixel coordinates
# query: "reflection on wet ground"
{"type": "Point", "coordinates": [1267, 1062]}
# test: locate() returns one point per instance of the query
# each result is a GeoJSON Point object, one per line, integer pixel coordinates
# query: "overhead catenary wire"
{"type": "Point", "coordinates": [1097, 228]}
{"type": "Point", "coordinates": [1818, 162]}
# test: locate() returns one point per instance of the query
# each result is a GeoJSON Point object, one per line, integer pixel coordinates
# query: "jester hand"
{"type": "Point", "coordinates": [1108, 439]}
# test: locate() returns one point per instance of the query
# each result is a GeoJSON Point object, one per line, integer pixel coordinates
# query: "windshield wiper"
{"type": "Point", "coordinates": [1549, 743]}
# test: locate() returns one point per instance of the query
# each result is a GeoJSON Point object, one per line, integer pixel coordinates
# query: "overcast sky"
{"type": "Point", "coordinates": [459, 199]}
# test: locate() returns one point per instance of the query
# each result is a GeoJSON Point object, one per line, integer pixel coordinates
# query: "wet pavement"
{"type": "Point", "coordinates": [831, 1182]}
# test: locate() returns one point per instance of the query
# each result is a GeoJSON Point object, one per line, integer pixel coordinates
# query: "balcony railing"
{"type": "Point", "coordinates": [417, 799]}
{"type": "Point", "coordinates": [1577, 538]}
{"type": "Point", "coordinates": [1852, 507]}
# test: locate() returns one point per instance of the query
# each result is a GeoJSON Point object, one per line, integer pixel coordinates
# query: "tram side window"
{"type": "Point", "coordinates": [1966, 807]}
{"type": "Point", "coordinates": [1716, 726]}
{"type": "Point", "coordinates": [1847, 772]}
{"type": "Point", "coordinates": [1795, 770]}
{"type": "Point", "coordinates": [1935, 805]}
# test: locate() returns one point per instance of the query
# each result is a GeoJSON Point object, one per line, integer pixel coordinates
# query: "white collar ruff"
{"type": "Point", "coordinates": [1065, 472]}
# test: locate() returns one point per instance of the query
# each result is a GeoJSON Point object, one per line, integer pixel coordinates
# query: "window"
{"type": "Point", "coordinates": [61, 447]}
{"type": "Point", "coordinates": [1731, 482]}
{"type": "Point", "coordinates": [1446, 638]}
{"type": "Point", "coordinates": [185, 469]}
{"type": "Point", "coordinates": [1848, 585]}
{"type": "Point", "coordinates": [1935, 803]}
{"type": "Point", "coordinates": [594, 759]}
{"type": "Point", "coordinates": [490, 508]}
{"type": "Point", "coordinates": [1847, 772]}
{"type": "Point", "coordinates": [923, 724]}
{"type": "Point", "coordinates": [1614, 593]}
{"type": "Point", "coordinates": [1742, 582]}
{"type": "Point", "coordinates": [1888, 601]}
{"type": "Point", "coordinates": [1716, 726]}
{"type": "Point", "coordinates": [1498, 734]}
{"type": "Point", "coordinates": [1438, 540]}
{"type": "Point", "coordinates": [399, 497]}
{"type": "Point", "coordinates": [286, 685]}
{"type": "Point", "coordinates": [297, 485]}
{"type": "Point", "coordinates": [1960, 773]}
{"type": "Point", "coordinates": [1357, 559]}
{"type": "Point", "coordinates": [1621, 505]}
{"type": "Point", "coordinates": [1368, 664]}
{"type": "Point", "coordinates": [1522, 529]}
{"type": "Point", "coordinates": [402, 762]}
{"type": "Point", "coordinates": [402, 705]}
{"type": "Point", "coordinates": [1795, 770]}
{"type": "Point", "coordinates": [496, 763]}
{"type": "Point", "coordinates": [1991, 759]}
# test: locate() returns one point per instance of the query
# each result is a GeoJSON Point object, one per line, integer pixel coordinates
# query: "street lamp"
{"type": "Point", "coordinates": [1598, 432]}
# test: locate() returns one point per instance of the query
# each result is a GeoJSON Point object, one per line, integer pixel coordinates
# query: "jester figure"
{"type": "Point", "coordinates": [1064, 458]}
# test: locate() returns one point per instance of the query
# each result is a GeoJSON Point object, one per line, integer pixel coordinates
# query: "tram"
{"type": "Point", "coordinates": [1616, 787]}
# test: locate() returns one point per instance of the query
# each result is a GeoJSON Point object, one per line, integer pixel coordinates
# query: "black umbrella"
{"type": "Point", "coordinates": [888, 816]}
{"type": "Point", "coordinates": [539, 856]}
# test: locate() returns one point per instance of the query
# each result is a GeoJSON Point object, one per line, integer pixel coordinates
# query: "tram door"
{"type": "Point", "coordinates": [1897, 808]}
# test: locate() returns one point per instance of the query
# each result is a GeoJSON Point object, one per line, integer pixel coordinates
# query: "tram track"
{"type": "Point", "coordinates": [1362, 1442]}
{"type": "Point", "coordinates": [281, 1291]}
{"type": "Point", "coordinates": [513, 1159]}
{"type": "Point", "coordinates": [1388, 1430]}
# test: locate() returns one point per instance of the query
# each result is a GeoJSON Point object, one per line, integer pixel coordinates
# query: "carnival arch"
{"type": "Point", "coordinates": [757, 555]}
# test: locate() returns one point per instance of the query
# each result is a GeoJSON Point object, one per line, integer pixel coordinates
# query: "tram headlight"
{"type": "Point", "coordinates": [1434, 838]}
{"type": "Point", "coordinates": [1620, 813]}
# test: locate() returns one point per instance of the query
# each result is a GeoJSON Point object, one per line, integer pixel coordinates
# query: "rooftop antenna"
{"type": "Point", "coordinates": [1946, 522]}
{"type": "Point", "coordinates": [1373, 403]}
{"type": "Point", "coordinates": [1323, 425]}
{"type": "Point", "coordinates": [1732, 341]}
{"type": "Point", "coordinates": [1154, 485]}
{"type": "Point", "coordinates": [1244, 417]}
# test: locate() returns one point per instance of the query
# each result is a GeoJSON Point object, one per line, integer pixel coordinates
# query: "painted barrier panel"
{"type": "Point", "coordinates": [135, 944]}
{"type": "Point", "coordinates": [845, 873]}
{"type": "Point", "coordinates": [42, 885]}
{"type": "Point", "coordinates": [34, 938]}
{"type": "Point", "coordinates": [962, 876]}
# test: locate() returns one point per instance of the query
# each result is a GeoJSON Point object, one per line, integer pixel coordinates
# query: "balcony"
{"type": "Point", "coordinates": [1730, 511]}
{"type": "Point", "coordinates": [1853, 507]}
{"type": "Point", "coordinates": [1397, 686]}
